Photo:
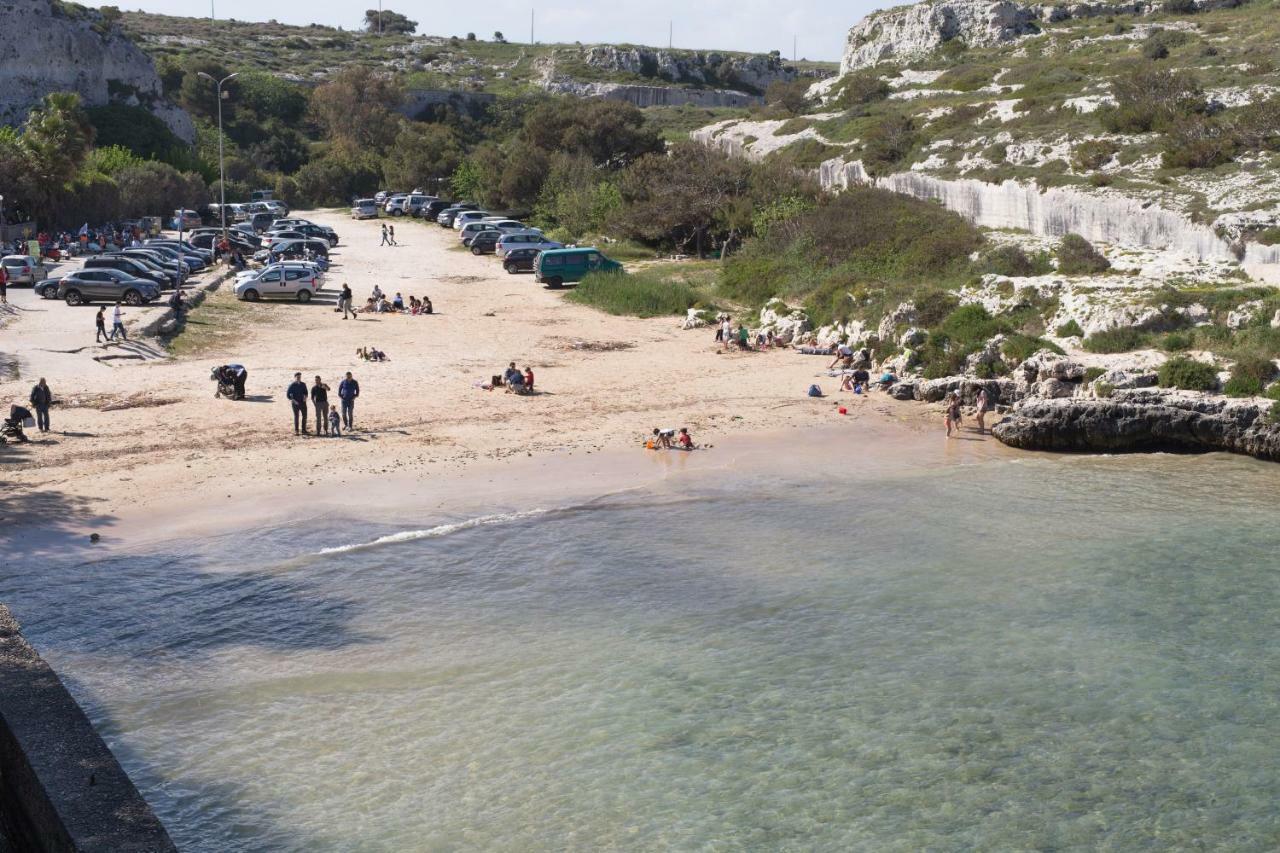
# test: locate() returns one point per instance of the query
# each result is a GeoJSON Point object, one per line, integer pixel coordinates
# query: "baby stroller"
{"type": "Point", "coordinates": [12, 427]}
{"type": "Point", "coordinates": [231, 379]}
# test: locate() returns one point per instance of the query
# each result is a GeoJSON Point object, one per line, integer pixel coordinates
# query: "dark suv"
{"type": "Point", "coordinates": [520, 260]}
{"type": "Point", "coordinates": [130, 266]}
{"type": "Point", "coordinates": [431, 210]}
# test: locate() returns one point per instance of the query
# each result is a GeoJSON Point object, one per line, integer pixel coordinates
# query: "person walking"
{"type": "Point", "coordinates": [344, 301]}
{"type": "Point", "coordinates": [385, 241]}
{"type": "Point", "coordinates": [177, 304]}
{"type": "Point", "coordinates": [101, 322]}
{"type": "Point", "coordinates": [41, 398]}
{"type": "Point", "coordinates": [297, 394]}
{"type": "Point", "coordinates": [117, 323]}
{"type": "Point", "coordinates": [391, 230]}
{"type": "Point", "coordinates": [320, 399]}
{"type": "Point", "coordinates": [348, 390]}
{"type": "Point", "coordinates": [4, 285]}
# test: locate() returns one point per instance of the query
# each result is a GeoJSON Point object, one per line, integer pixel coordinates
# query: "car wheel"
{"type": "Point", "coordinates": [304, 296]}
{"type": "Point", "coordinates": [397, 213]}
{"type": "Point", "coordinates": [250, 295]}
{"type": "Point", "coordinates": [510, 268]}
{"type": "Point", "coordinates": [476, 250]}
{"type": "Point", "coordinates": [74, 298]}
{"type": "Point", "coordinates": [555, 282]}
{"type": "Point", "coordinates": [133, 298]}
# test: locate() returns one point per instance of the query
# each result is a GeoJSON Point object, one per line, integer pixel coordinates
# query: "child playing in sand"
{"type": "Point", "coordinates": [335, 422]}
{"type": "Point", "coordinates": [684, 440]}
{"type": "Point", "coordinates": [661, 438]}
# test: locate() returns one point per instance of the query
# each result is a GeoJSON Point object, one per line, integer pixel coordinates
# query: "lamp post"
{"type": "Point", "coordinates": [222, 173]}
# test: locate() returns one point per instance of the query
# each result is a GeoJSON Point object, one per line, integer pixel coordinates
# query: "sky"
{"type": "Point", "coordinates": [819, 26]}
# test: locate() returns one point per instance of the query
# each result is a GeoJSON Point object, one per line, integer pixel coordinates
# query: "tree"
{"type": "Point", "coordinates": [1077, 256]}
{"type": "Point", "coordinates": [58, 135]}
{"type": "Point", "coordinates": [387, 21]}
{"type": "Point", "coordinates": [471, 36]}
{"type": "Point", "coordinates": [149, 188]}
{"type": "Point", "coordinates": [682, 195]}
{"type": "Point", "coordinates": [354, 109]}
{"type": "Point", "coordinates": [498, 37]}
{"type": "Point", "coordinates": [790, 96]}
{"type": "Point", "coordinates": [421, 155]}
{"type": "Point", "coordinates": [888, 143]}
{"type": "Point", "coordinates": [1197, 142]}
{"type": "Point", "coordinates": [134, 128]}
{"type": "Point", "coordinates": [611, 133]}
{"type": "Point", "coordinates": [1150, 98]}
{"type": "Point", "coordinates": [200, 96]}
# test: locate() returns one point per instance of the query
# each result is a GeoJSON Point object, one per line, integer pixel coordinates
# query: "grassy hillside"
{"type": "Point", "coordinates": [313, 52]}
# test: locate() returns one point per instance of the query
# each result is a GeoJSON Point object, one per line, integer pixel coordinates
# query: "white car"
{"type": "Point", "coordinates": [473, 228]}
{"type": "Point", "coordinates": [280, 281]}
{"type": "Point", "coordinates": [512, 226]}
{"type": "Point", "coordinates": [285, 224]}
{"type": "Point", "coordinates": [468, 216]}
{"type": "Point", "coordinates": [365, 208]}
{"type": "Point", "coordinates": [309, 266]}
{"type": "Point", "coordinates": [394, 200]}
{"type": "Point", "coordinates": [407, 205]}
{"type": "Point", "coordinates": [525, 240]}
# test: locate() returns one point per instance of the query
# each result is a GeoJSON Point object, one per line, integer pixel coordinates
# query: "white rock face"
{"type": "Point", "coordinates": [46, 48]}
{"type": "Point", "coordinates": [915, 31]}
{"type": "Point", "coordinates": [701, 68]}
{"type": "Point", "coordinates": [654, 96]}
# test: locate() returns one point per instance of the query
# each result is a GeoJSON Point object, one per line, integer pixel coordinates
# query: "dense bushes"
{"type": "Point", "coordinates": [1115, 340]}
{"type": "Point", "coordinates": [1013, 261]}
{"type": "Point", "coordinates": [1077, 256]}
{"type": "Point", "coordinates": [1187, 374]}
{"type": "Point", "coordinates": [1149, 98]}
{"type": "Point", "coordinates": [1249, 376]}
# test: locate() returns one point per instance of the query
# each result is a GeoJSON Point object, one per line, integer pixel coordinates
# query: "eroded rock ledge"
{"type": "Point", "coordinates": [1143, 420]}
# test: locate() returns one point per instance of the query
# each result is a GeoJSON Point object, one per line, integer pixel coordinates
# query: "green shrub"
{"type": "Point", "coordinates": [1249, 375]}
{"type": "Point", "coordinates": [860, 88]}
{"type": "Point", "coordinates": [805, 153]}
{"type": "Point", "coordinates": [1018, 348]}
{"type": "Point", "coordinates": [1077, 256]}
{"type": "Point", "coordinates": [1104, 389]}
{"type": "Point", "coordinates": [1177, 342]}
{"type": "Point", "coordinates": [1115, 340]}
{"type": "Point", "coordinates": [1093, 154]}
{"type": "Point", "coordinates": [966, 77]}
{"type": "Point", "coordinates": [1187, 374]}
{"type": "Point", "coordinates": [1149, 98]}
{"type": "Point", "coordinates": [1013, 261]}
{"type": "Point", "coordinates": [641, 294]}
{"type": "Point", "coordinates": [1197, 142]}
{"type": "Point", "coordinates": [1273, 414]}
{"type": "Point", "coordinates": [1272, 391]}
{"type": "Point", "coordinates": [1270, 237]}
{"type": "Point", "coordinates": [888, 144]}
{"type": "Point", "coordinates": [1158, 45]}
{"type": "Point", "coordinates": [1070, 329]}
{"type": "Point", "coordinates": [1092, 373]}
{"type": "Point", "coordinates": [793, 126]}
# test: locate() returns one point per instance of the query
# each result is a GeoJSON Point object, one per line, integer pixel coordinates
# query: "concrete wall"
{"type": "Point", "coordinates": [61, 789]}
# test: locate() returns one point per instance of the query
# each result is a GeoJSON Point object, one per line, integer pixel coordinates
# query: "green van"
{"type": "Point", "coordinates": [557, 266]}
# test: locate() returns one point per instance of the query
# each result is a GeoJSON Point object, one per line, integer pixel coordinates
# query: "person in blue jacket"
{"type": "Point", "coordinates": [348, 390]}
{"type": "Point", "coordinates": [297, 395]}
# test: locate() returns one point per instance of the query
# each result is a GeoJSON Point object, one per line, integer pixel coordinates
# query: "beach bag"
{"type": "Point", "coordinates": [815, 391]}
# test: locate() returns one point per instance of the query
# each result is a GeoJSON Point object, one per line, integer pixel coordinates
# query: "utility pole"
{"type": "Point", "coordinates": [379, 17]}
{"type": "Point", "coordinates": [670, 30]}
{"type": "Point", "coordinates": [531, 41]}
{"type": "Point", "coordinates": [793, 48]}
{"type": "Point", "coordinates": [222, 172]}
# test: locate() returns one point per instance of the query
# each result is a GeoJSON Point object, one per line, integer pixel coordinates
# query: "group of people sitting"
{"type": "Point", "coordinates": [515, 381]}
{"type": "Point", "coordinates": [379, 304]}
{"type": "Point", "coordinates": [371, 354]}
{"type": "Point", "coordinates": [725, 334]}
{"type": "Point", "coordinates": [669, 439]}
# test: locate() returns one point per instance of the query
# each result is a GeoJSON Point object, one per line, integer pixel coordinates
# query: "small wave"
{"type": "Point", "coordinates": [438, 530]}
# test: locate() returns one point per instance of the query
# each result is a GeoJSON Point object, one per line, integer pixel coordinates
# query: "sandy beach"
{"type": "Point", "coordinates": [139, 443]}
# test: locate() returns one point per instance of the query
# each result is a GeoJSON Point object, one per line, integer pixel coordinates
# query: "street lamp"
{"type": "Point", "coordinates": [222, 174]}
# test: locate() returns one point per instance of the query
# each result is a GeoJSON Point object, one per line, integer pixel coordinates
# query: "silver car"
{"type": "Point", "coordinates": [23, 269]}
{"type": "Point", "coordinates": [365, 208]}
{"type": "Point", "coordinates": [525, 240]}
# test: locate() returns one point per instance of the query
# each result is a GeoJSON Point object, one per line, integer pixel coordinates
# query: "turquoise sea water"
{"type": "Point", "coordinates": [1026, 653]}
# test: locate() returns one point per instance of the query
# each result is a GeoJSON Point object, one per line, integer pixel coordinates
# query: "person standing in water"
{"type": "Point", "coordinates": [953, 413]}
{"type": "Point", "coordinates": [984, 404]}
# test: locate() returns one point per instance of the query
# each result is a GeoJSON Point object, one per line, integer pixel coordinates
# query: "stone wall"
{"type": "Point", "coordinates": [61, 789]}
{"type": "Point", "coordinates": [656, 96]}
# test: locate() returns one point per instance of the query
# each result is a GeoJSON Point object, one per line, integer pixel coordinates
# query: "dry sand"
{"type": "Point", "coordinates": [141, 443]}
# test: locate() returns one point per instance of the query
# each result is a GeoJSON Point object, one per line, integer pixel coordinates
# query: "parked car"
{"type": "Point", "coordinates": [512, 226]}
{"type": "Point", "coordinates": [174, 252]}
{"type": "Point", "coordinates": [294, 246]}
{"type": "Point", "coordinates": [520, 260]}
{"type": "Point", "coordinates": [468, 216]}
{"type": "Point", "coordinates": [260, 195]}
{"type": "Point", "coordinates": [310, 266]}
{"type": "Point", "coordinates": [408, 204]}
{"type": "Point", "coordinates": [47, 289]}
{"type": "Point", "coordinates": [274, 205]}
{"type": "Point", "coordinates": [131, 266]}
{"type": "Point", "coordinates": [394, 201]}
{"type": "Point", "coordinates": [485, 243]}
{"type": "Point", "coordinates": [23, 269]}
{"type": "Point", "coordinates": [431, 210]}
{"type": "Point", "coordinates": [184, 246]}
{"type": "Point", "coordinates": [446, 217]}
{"type": "Point", "coordinates": [288, 223]}
{"type": "Point", "coordinates": [262, 220]}
{"type": "Point", "coordinates": [471, 229]}
{"type": "Point", "coordinates": [322, 232]}
{"type": "Point", "coordinates": [279, 281]}
{"type": "Point", "coordinates": [383, 196]}
{"type": "Point", "coordinates": [525, 240]}
{"type": "Point", "coordinates": [365, 208]}
{"type": "Point", "coordinates": [188, 219]}
{"type": "Point", "coordinates": [81, 288]}
{"type": "Point", "coordinates": [557, 267]}
{"type": "Point", "coordinates": [238, 240]}
{"type": "Point", "coordinates": [154, 256]}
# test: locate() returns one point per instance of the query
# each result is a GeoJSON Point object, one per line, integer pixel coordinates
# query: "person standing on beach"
{"type": "Point", "coordinates": [297, 394]}
{"type": "Point", "coordinates": [41, 399]}
{"type": "Point", "coordinates": [344, 301]}
{"type": "Point", "coordinates": [391, 231]}
{"type": "Point", "coordinates": [4, 285]}
{"type": "Point", "coordinates": [348, 390]}
{"type": "Point", "coordinates": [385, 241]}
{"type": "Point", "coordinates": [320, 399]}
{"type": "Point", "coordinates": [984, 404]}
{"type": "Point", "coordinates": [101, 321]}
{"type": "Point", "coordinates": [117, 323]}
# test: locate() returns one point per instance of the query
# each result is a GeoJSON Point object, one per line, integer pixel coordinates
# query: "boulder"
{"type": "Point", "coordinates": [1244, 314]}
{"type": "Point", "coordinates": [936, 390]}
{"type": "Point", "coordinates": [788, 323]}
{"type": "Point", "coordinates": [904, 390]}
{"type": "Point", "coordinates": [912, 338]}
{"type": "Point", "coordinates": [904, 313]}
{"type": "Point", "coordinates": [1061, 368]}
{"type": "Point", "coordinates": [1121, 378]}
{"type": "Point", "coordinates": [1053, 389]}
{"type": "Point", "coordinates": [693, 319]}
{"type": "Point", "coordinates": [911, 32]}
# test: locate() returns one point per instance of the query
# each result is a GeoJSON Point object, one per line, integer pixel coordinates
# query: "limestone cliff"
{"type": "Point", "coordinates": [914, 31]}
{"type": "Point", "coordinates": [48, 46]}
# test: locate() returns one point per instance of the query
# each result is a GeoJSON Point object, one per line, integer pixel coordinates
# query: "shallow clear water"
{"type": "Point", "coordinates": [1028, 653]}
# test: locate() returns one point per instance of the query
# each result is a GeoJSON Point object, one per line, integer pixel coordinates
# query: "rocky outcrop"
{"type": "Point", "coordinates": [915, 31]}
{"type": "Point", "coordinates": [654, 96]}
{"type": "Point", "coordinates": [751, 73]}
{"type": "Point", "coordinates": [1142, 420]}
{"type": "Point", "coordinates": [55, 47]}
